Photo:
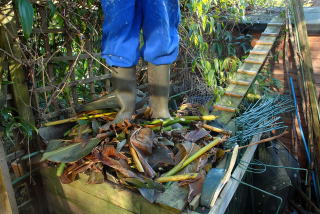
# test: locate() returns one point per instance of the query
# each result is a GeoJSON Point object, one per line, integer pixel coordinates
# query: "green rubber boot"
{"type": "Point", "coordinates": [159, 85]}
{"type": "Point", "coordinates": [124, 81]}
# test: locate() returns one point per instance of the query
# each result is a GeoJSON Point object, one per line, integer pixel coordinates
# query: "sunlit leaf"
{"type": "Point", "coordinates": [26, 16]}
{"type": "Point", "coordinates": [71, 152]}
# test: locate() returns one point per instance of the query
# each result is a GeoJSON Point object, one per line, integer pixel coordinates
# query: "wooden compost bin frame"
{"type": "Point", "coordinates": [80, 197]}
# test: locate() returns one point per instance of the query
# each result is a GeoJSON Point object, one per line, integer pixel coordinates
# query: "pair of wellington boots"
{"type": "Point", "coordinates": [124, 80]}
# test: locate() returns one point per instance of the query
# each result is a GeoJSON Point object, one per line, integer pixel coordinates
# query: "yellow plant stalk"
{"type": "Point", "coordinates": [215, 129]}
{"type": "Point", "coordinates": [136, 159]}
{"type": "Point", "coordinates": [74, 119]}
{"type": "Point", "coordinates": [183, 177]}
{"type": "Point", "coordinates": [196, 155]}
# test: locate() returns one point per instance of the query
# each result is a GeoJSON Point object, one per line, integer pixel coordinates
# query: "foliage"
{"type": "Point", "coordinates": [11, 125]}
{"type": "Point", "coordinates": [211, 45]}
{"type": "Point", "coordinates": [207, 31]}
{"type": "Point", "coordinates": [26, 16]}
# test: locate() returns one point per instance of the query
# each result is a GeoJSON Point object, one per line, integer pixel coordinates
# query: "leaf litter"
{"type": "Point", "coordinates": [137, 153]}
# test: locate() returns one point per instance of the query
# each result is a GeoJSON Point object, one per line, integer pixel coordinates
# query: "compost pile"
{"type": "Point", "coordinates": [141, 153]}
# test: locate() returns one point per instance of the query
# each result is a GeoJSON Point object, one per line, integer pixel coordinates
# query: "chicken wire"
{"type": "Point", "coordinates": [193, 87]}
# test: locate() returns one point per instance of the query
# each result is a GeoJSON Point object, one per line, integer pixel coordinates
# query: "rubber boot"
{"type": "Point", "coordinates": [124, 81]}
{"type": "Point", "coordinates": [159, 85]}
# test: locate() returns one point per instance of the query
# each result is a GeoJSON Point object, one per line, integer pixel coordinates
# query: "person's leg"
{"type": "Point", "coordinates": [160, 23]}
{"type": "Point", "coordinates": [161, 46]}
{"type": "Point", "coordinates": [124, 83]}
{"type": "Point", "coordinates": [120, 48]}
{"type": "Point", "coordinates": [120, 33]}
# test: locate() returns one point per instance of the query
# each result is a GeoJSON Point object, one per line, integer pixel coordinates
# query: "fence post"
{"type": "Point", "coordinates": [8, 204]}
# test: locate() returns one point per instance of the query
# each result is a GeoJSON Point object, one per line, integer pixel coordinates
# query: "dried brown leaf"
{"type": "Point", "coordinates": [195, 135]}
{"type": "Point", "coordinates": [195, 187]}
{"type": "Point", "coordinates": [110, 151]}
{"type": "Point", "coordinates": [146, 166]}
{"type": "Point", "coordinates": [143, 139]}
{"type": "Point", "coordinates": [161, 156]}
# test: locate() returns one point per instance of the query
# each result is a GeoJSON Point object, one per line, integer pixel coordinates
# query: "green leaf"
{"type": "Point", "coordinates": [70, 153]}
{"type": "Point", "coordinates": [52, 8]}
{"type": "Point", "coordinates": [26, 16]}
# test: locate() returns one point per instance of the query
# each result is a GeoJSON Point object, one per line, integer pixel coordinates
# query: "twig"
{"type": "Point", "coordinates": [11, 56]}
{"type": "Point", "coordinates": [261, 141]}
{"type": "Point", "coordinates": [58, 92]}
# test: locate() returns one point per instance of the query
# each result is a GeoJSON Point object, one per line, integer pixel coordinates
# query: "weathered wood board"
{"type": "Point", "coordinates": [239, 85]}
{"type": "Point", "coordinates": [8, 203]}
{"type": "Point", "coordinates": [80, 197]}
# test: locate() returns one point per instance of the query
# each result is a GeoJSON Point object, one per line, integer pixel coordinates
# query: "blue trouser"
{"type": "Point", "coordinates": [123, 21]}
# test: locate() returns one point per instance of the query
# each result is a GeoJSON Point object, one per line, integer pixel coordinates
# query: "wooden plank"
{"type": "Point", "coordinates": [228, 101]}
{"type": "Point", "coordinates": [261, 48]}
{"type": "Point", "coordinates": [272, 30]}
{"type": "Point", "coordinates": [266, 40]}
{"type": "Point", "coordinates": [250, 67]}
{"type": "Point", "coordinates": [239, 82]}
{"type": "Point", "coordinates": [240, 89]}
{"type": "Point", "coordinates": [232, 94]}
{"type": "Point", "coordinates": [270, 34]}
{"type": "Point", "coordinates": [242, 71]}
{"type": "Point", "coordinates": [279, 24]}
{"type": "Point", "coordinates": [79, 196]}
{"type": "Point", "coordinates": [256, 59]}
{"type": "Point", "coordinates": [227, 175]}
{"type": "Point", "coordinates": [8, 204]}
{"type": "Point", "coordinates": [307, 73]}
{"type": "Point", "coordinates": [245, 75]}
{"type": "Point", "coordinates": [230, 188]}
{"type": "Point", "coordinates": [174, 198]}
{"type": "Point", "coordinates": [224, 108]}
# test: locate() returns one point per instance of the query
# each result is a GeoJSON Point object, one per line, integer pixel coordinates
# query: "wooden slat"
{"type": "Point", "coordinates": [279, 24]}
{"type": "Point", "coordinates": [246, 74]}
{"type": "Point", "coordinates": [271, 30]}
{"type": "Point", "coordinates": [270, 34]}
{"type": "Point", "coordinates": [261, 48]}
{"type": "Point", "coordinates": [224, 108]}
{"type": "Point", "coordinates": [230, 188]}
{"type": "Point", "coordinates": [259, 52]}
{"type": "Point", "coordinates": [259, 42]}
{"type": "Point", "coordinates": [81, 197]}
{"type": "Point", "coordinates": [237, 82]}
{"type": "Point", "coordinates": [8, 204]}
{"type": "Point", "coordinates": [243, 77]}
{"type": "Point", "coordinates": [255, 59]}
{"type": "Point", "coordinates": [242, 71]}
{"type": "Point", "coordinates": [231, 94]}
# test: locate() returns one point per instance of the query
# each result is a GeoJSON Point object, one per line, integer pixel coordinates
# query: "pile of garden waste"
{"type": "Point", "coordinates": [142, 153]}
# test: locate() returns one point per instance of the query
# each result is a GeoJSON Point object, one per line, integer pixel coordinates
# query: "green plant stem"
{"type": "Point", "coordinates": [61, 169]}
{"type": "Point", "coordinates": [196, 155]}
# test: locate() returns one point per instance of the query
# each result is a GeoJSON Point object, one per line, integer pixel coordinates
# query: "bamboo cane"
{"type": "Point", "coordinates": [136, 159]}
{"type": "Point", "coordinates": [183, 177]}
{"type": "Point", "coordinates": [74, 119]}
{"type": "Point", "coordinates": [215, 129]}
{"type": "Point", "coordinates": [186, 162]}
